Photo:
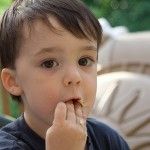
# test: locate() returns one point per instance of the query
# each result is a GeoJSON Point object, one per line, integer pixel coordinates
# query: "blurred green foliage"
{"type": "Point", "coordinates": [4, 5]}
{"type": "Point", "coordinates": [14, 107]}
{"type": "Point", "coordinates": [135, 14]}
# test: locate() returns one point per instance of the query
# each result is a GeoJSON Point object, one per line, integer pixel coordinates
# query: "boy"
{"type": "Point", "coordinates": [48, 52]}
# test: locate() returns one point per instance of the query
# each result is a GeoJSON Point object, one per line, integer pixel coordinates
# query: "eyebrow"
{"type": "Point", "coordinates": [47, 50]}
{"type": "Point", "coordinates": [54, 49]}
{"type": "Point", "coordinates": [90, 47]}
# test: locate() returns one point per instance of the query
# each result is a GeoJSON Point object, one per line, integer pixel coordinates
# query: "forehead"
{"type": "Point", "coordinates": [34, 27]}
{"type": "Point", "coordinates": [39, 35]}
{"type": "Point", "coordinates": [51, 25]}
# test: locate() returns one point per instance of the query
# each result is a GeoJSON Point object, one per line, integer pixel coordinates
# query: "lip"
{"type": "Point", "coordinates": [73, 99]}
{"type": "Point", "coordinates": [76, 99]}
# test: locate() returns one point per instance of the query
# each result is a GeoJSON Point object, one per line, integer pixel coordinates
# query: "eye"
{"type": "Point", "coordinates": [85, 61]}
{"type": "Point", "coordinates": [49, 64]}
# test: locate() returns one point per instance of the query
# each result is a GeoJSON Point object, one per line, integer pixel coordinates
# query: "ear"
{"type": "Point", "coordinates": [9, 82]}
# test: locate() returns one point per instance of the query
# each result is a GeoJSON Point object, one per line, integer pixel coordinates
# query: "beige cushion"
{"type": "Point", "coordinates": [122, 101]}
{"type": "Point", "coordinates": [132, 49]}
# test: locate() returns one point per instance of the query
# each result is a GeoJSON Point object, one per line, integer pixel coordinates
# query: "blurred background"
{"type": "Point", "coordinates": [134, 14]}
{"type": "Point", "coordinates": [122, 99]}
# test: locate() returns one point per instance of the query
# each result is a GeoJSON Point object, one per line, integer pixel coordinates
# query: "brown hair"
{"type": "Point", "coordinates": [73, 15]}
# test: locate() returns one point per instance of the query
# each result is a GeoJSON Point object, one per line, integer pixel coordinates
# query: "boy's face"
{"type": "Point", "coordinates": [52, 68]}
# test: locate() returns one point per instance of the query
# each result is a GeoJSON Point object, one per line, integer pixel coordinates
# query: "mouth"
{"type": "Point", "coordinates": [77, 100]}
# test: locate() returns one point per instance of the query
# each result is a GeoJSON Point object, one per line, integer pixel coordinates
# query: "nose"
{"type": "Point", "coordinates": [72, 76]}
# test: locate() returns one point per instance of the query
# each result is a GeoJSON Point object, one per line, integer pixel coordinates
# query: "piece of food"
{"type": "Point", "coordinates": [81, 102]}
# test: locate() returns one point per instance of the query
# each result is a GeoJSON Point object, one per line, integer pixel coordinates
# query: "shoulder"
{"type": "Point", "coordinates": [9, 138]}
{"type": "Point", "coordinates": [97, 126]}
{"type": "Point", "coordinates": [105, 135]}
{"type": "Point", "coordinates": [10, 142]}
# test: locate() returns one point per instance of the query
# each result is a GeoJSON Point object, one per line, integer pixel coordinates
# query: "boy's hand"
{"type": "Point", "coordinates": [68, 131]}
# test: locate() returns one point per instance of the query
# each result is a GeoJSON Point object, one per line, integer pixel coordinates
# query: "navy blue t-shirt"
{"type": "Point", "coordinates": [19, 136]}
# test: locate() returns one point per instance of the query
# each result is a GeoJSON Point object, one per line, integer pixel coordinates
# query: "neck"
{"type": "Point", "coordinates": [37, 125]}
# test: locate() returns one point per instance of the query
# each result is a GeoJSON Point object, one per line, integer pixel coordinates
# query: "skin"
{"type": "Point", "coordinates": [53, 72]}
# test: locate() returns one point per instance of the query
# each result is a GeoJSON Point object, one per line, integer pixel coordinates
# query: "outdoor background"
{"type": "Point", "coordinates": [134, 14]}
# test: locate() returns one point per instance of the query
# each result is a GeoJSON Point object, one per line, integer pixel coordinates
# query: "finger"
{"type": "Point", "coordinates": [79, 114]}
{"type": "Point", "coordinates": [60, 112]}
{"type": "Point", "coordinates": [84, 108]}
{"type": "Point", "coordinates": [78, 111]}
{"type": "Point", "coordinates": [70, 111]}
{"type": "Point", "coordinates": [84, 112]}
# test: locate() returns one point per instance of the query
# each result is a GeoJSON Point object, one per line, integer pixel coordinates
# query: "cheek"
{"type": "Point", "coordinates": [90, 94]}
{"type": "Point", "coordinates": [40, 90]}
{"type": "Point", "coordinates": [41, 99]}
{"type": "Point", "coordinates": [44, 95]}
